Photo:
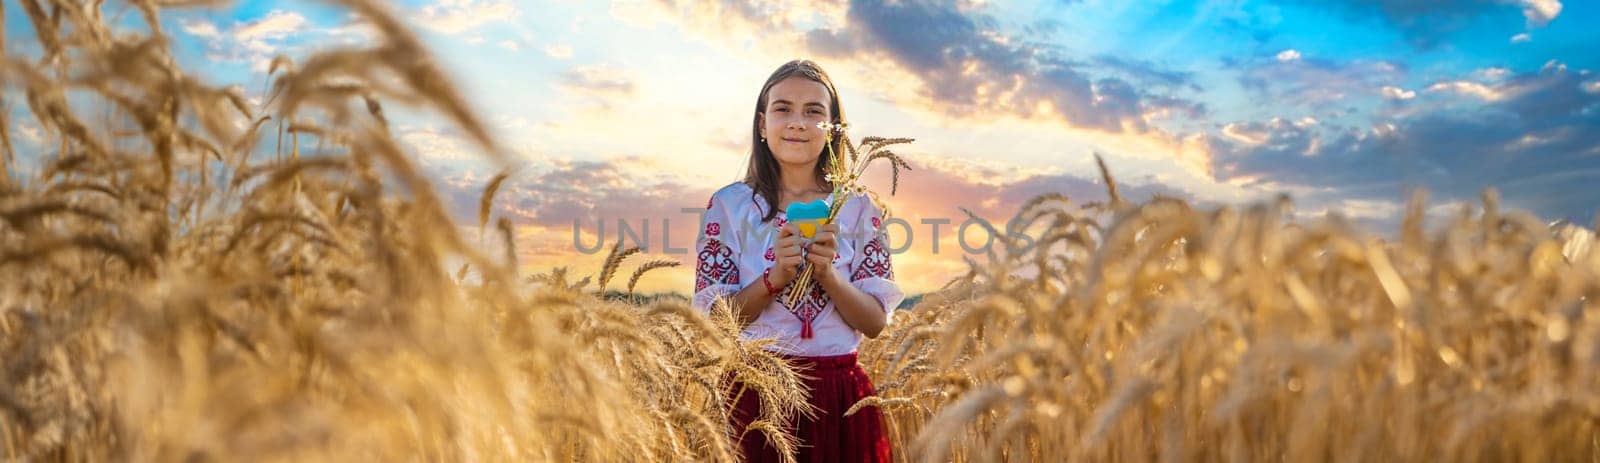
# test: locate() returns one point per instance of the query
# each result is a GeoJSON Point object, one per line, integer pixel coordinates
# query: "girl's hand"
{"type": "Point", "coordinates": [823, 249]}
{"type": "Point", "coordinates": [786, 256]}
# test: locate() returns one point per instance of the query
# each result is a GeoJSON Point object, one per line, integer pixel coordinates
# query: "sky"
{"type": "Point", "coordinates": [634, 111]}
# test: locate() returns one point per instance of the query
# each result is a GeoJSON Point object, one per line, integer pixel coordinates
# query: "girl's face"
{"type": "Point", "coordinates": [794, 108]}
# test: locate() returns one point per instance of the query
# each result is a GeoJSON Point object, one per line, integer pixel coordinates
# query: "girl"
{"type": "Point", "coordinates": [749, 254]}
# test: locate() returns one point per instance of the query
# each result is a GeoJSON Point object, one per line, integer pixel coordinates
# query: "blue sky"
{"type": "Point", "coordinates": [635, 109]}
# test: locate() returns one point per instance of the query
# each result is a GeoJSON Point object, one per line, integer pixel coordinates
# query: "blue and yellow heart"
{"type": "Point", "coordinates": [809, 216]}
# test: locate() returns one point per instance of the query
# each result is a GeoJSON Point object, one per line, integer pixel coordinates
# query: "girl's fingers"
{"type": "Point", "coordinates": [792, 242]}
{"type": "Point", "coordinates": [819, 248]}
{"type": "Point", "coordinates": [821, 252]}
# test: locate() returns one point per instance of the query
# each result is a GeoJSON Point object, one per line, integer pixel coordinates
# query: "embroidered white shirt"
{"type": "Point", "coordinates": [734, 248]}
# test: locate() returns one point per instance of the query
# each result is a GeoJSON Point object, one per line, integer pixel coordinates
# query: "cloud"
{"type": "Point", "coordinates": [597, 80]}
{"type": "Point", "coordinates": [546, 198]}
{"type": "Point", "coordinates": [941, 185]}
{"type": "Point", "coordinates": [761, 15]}
{"type": "Point", "coordinates": [457, 16]}
{"type": "Point", "coordinates": [1427, 23]}
{"type": "Point", "coordinates": [1540, 12]}
{"type": "Point", "coordinates": [1148, 73]}
{"type": "Point", "coordinates": [968, 67]}
{"type": "Point", "coordinates": [550, 198]}
{"type": "Point", "coordinates": [1464, 87]}
{"type": "Point", "coordinates": [1276, 133]}
{"type": "Point", "coordinates": [1315, 83]}
{"type": "Point", "coordinates": [558, 51]}
{"type": "Point", "coordinates": [1288, 55]}
{"type": "Point", "coordinates": [254, 41]}
{"type": "Point", "coordinates": [1535, 136]}
{"type": "Point", "coordinates": [276, 25]}
{"type": "Point", "coordinates": [507, 122]}
{"type": "Point", "coordinates": [1521, 91]}
{"type": "Point", "coordinates": [30, 132]}
{"type": "Point", "coordinates": [954, 62]}
{"type": "Point", "coordinates": [354, 31]}
{"type": "Point", "coordinates": [1521, 38]}
{"type": "Point", "coordinates": [1246, 133]}
{"type": "Point", "coordinates": [550, 191]}
{"type": "Point", "coordinates": [1491, 74]}
{"type": "Point", "coordinates": [199, 28]}
{"type": "Point", "coordinates": [1363, 210]}
{"type": "Point", "coordinates": [510, 45]}
{"type": "Point", "coordinates": [957, 60]}
{"type": "Point", "coordinates": [1396, 93]}
{"type": "Point", "coordinates": [589, 191]}
{"type": "Point", "coordinates": [440, 149]}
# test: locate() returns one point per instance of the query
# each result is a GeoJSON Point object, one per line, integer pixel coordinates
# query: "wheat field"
{"type": "Point", "coordinates": [174, 291]}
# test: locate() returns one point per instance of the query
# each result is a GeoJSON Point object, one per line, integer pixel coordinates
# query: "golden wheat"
{"type": "Point", "coordinates": [166, 299]}
{"type": "Point", "coordinates": [1237, 335]}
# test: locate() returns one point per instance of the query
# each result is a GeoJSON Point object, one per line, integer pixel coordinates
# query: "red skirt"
{"type": "Point", "coordinates": [836, 383]}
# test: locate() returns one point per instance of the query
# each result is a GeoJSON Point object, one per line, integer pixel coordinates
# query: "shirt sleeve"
{"type": "Point", "coordinates": [871, 268]}
{"type": "Point", "coordinates": [716, 270]}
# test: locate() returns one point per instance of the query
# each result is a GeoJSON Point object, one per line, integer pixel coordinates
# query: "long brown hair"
{"type": "Point", "coordinates": [762, 173]}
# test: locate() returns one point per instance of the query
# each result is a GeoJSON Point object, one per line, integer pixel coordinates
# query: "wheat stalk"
{"type": "Point", "coordinates": [645, 268]}
{"type": "Point", "coordinates": [845, 178]}
{"type": "Point", "coordinates": [486, 201]}
{"type": "Point", "coordinates": [613, 262]}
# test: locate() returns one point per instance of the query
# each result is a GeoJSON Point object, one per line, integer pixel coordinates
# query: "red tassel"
{"type": "Point", "coordinates": [805, 330]}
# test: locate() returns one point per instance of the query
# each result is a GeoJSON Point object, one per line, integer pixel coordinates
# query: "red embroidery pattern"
{"type": "Point", "coordinates": [874, 262]}
{"type": "Point", "coordinates": [713, 229]}
{"type": "Point", "coordinates": [770, 256]}
{"type": "Point", "coordinates": [810, 305]}
{"type": "Point", "coordinates": [779, 223]}
{"type": "Point", "coordinates": [708, 204]}
{"type": "Point", "coordinates": [876, 223]}
{"type": "Point", "coordinates": [715, 266]}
